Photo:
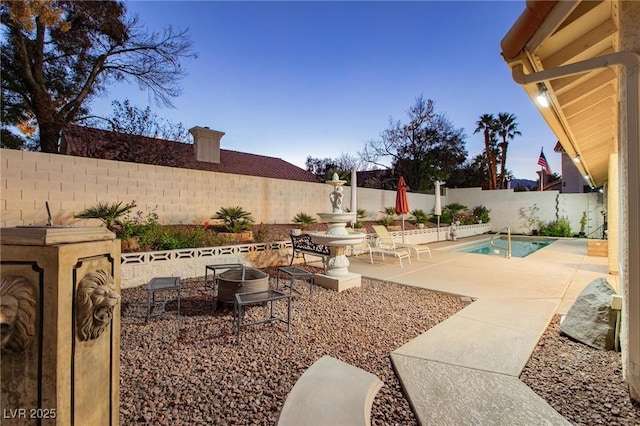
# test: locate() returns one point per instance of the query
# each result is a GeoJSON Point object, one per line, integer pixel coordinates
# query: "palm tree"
{"type": "Point", "coordinates": [507, 130]}
{"type": "Point", "coordinates": [488, 125]}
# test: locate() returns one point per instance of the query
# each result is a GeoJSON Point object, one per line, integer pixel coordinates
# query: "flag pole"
{"type": "Point", "coordinates": [542, 179]}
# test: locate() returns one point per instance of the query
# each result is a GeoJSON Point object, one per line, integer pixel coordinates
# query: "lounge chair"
{"type": "Point", "coordinates": [386, 238]}
{"type": "Point", "coordinates": [360, 248]}
{"type": "Point", "coordinates": [366, 246]}
{"type": "Point", "coordinates": [386, 246]}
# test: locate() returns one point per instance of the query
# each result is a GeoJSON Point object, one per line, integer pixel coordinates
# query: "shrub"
{"type": "Point", "coordinates": [481, 213]}
{"type": "Point", "coordinates": [260, 234]}
{"type": "Point", "coordinates": [174, 237]}
{"type": "Point", "coordinates": [419, 216]}
{"type": "Point", "coordinates": [583, 223]}
{"type": "Point", "coordinates": [138, 225]}
{"type": "Point", "coordinates": [109, 213]}
{"type": "Point", "coordinates": [235, 219]}
{"type": "Point", "coordinates": [452, 212]}
{"type": "Point", "coordinates": [304, 220]}
{"type": "Point", "coordinates": [361, 214]}
{"type": "Point", "coordinates": [389, 217]}
{"type": "Point", "coordinates": [557, 228]}
{"type": "Point", "coordinates": [530, 217]}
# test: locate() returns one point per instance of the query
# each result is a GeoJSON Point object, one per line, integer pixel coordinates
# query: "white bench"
{"type": "Point", "coordinates": [331, 392]}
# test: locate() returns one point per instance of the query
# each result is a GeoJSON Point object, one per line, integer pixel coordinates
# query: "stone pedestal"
{"type": "Point", "coordinates": [340, 283]}
{"type": "Point", "coordinates": [60, 313]}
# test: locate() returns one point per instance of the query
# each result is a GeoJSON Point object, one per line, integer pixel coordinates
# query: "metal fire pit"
{"type": "Point", "coordinates": [240, 281]}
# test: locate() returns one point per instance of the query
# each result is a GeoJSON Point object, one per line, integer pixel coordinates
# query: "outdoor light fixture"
{"type": "Point", "coordinates": [543, 97]}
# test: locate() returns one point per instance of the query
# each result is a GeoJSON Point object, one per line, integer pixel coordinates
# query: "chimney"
{"type": "Point", "coordinates": [206, 142]}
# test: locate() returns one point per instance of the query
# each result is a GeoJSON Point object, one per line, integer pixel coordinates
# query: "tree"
{"type": "Point", "coordinates": [507, 128]}
{"type": "Point", "coordinates": [487, 124]}
{"type": "Point", "coordinates": [473, 173]}
{"type": "Point", "coordinates": [426, 149]}
{"type": "Point", "coordinates": [325, 168]}
{"type": "Point", "coordinates": [58, 55]}
{"type": "Point", "coordinates": [132, 120]}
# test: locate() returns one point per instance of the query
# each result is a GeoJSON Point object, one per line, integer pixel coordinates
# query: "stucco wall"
{"type": "Point", "coordinates": [71, 184]}
{"type": "Point", "coordinates": [510, 208]}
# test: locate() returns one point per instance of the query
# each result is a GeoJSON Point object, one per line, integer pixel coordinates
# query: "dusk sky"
{"type": "Point", "coordinates": [293, 79]}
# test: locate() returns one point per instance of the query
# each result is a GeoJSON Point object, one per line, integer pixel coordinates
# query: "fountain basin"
{"type": "Point", "coordinates": [231, 282]}
{"type": "Point", "coordinates": [337, 240]}
{"type": "Point", "coordinates": [337, 217]}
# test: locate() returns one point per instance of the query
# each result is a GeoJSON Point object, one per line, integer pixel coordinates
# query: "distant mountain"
{"type": "Point", "coordinates": [532, 184]}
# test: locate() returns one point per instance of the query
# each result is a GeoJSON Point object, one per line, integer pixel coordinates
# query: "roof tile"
{"type": "Point", "coordinates": [96, 143]}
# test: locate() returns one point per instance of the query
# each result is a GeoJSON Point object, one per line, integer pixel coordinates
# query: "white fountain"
{"type": "Point", "coordinates": [337, 276]}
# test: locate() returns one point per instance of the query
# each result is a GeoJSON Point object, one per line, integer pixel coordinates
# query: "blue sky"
{"type": "Point", "coordinates": [293, 79]}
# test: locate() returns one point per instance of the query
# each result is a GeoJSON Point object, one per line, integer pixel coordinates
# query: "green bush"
{"type": "Point", "coordinates": [361, 214]}
{"type": "Point", "coordinates": [419, 216]}
{"type": "Point", "coordinates": [235, 219]}
{"type": "Point", "coordinates": [109, 213]}
{"type": "Point", "coordinates": [481, 213]}
{"type": "Point", "coordinates": [452, 212]}
{"type": "Point", "coordinates": [304, 220]}
{"type": "Point", "coordinates": [389, 217]}
{"type": "Point", "coordinates": [260, 234]}
{"type": "Point", "coordinates": [557, 228]}
{"type": "Point", "coordinates": [174, 237]}
{"type": "Point", "coordinates": [138, 225]}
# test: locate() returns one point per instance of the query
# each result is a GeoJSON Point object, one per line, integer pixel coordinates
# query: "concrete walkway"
{"type": "Point", "coordinates": [466, 369]}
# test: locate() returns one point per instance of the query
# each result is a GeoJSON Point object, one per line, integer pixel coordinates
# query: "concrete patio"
{"type": "Point", "coordinates": [466, 369]}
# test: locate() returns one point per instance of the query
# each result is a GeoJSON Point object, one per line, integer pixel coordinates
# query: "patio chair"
{"type": "Point", "coordinates": [389, 247]}
{"type": "Point", "coordinates": [386, 237]}
{"type": "Point", "coordinates": [363, 247]}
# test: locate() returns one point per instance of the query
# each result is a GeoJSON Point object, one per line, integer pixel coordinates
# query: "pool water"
{"type": "Point", "coordinates": [520, 246]}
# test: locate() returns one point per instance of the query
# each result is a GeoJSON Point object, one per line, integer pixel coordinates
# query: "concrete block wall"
{"type": "Point", "coordinates": [71, 184]}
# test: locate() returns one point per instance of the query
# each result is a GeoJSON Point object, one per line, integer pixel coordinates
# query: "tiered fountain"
{"type": "Point", "coordinates": [337, 276]}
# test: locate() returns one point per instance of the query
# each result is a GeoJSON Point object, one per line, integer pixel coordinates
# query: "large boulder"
{"type": "Point", "coordinates": [591, 319]}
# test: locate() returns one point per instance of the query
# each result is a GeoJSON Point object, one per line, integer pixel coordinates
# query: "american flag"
{"type": "Point", "coordinates": [542, 161]}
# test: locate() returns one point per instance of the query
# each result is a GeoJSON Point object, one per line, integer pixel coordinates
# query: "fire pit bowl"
{"type": "Point", "coordinates": [231, 282]}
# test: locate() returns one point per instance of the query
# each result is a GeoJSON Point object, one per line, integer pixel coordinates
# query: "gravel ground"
{"type": "Point", "coordinates": [189, 369]}
{"type": "Point", "coordinates": [582, 383]}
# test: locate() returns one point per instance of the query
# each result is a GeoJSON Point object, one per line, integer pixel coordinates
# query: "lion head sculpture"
{"type": "Point", "coordinates": [95, 299]}
{"type": "Point", "coordinates": [17, 314]}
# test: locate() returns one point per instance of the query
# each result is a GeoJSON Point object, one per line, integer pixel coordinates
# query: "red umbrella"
{"type": "Point", "coordinates": [402, 204]}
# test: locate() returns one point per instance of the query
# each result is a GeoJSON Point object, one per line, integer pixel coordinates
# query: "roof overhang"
{"type": "Point", "coordinates": [566, 48]}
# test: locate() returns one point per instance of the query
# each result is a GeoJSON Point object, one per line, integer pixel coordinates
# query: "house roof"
{"type": "Point", "coordinates": [97, 143]}
{"type": "Point", "coordinates": [562, 46]}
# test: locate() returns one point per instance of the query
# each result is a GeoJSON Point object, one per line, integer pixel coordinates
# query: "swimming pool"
{"type": "Point", "coordinates": [520, 246]}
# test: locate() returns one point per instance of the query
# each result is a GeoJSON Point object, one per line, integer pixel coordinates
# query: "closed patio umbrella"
{"type": "Point", "coordinates": [402, 204]}
{"type": "Point", "coordinates": [437, 208]}
{"type": "Point", "coordinates": [354, 188]}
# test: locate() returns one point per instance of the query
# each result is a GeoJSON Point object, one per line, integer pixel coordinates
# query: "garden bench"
{"type": "Point", "coordinates": [302, 245]}
{"type": "Point", "coordinates": [331, 392]}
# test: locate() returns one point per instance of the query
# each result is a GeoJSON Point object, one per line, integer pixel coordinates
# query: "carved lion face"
{"type": "Point", "coordinates": [95, 299]}
{"type": "Point", "coordinates": [17, 314]}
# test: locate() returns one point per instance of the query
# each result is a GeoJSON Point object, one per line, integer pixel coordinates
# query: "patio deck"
{"type": "Point", "coordinates": [465, 370]}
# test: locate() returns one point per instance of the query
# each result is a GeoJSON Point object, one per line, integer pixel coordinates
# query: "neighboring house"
{"type": "Point", "coordinates": [572, 179]}
{"type": "Point", "coordinates": [204, 154]}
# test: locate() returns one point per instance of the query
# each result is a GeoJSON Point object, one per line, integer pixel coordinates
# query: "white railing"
{"type": "Point", "coordinates": [507, 253]}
